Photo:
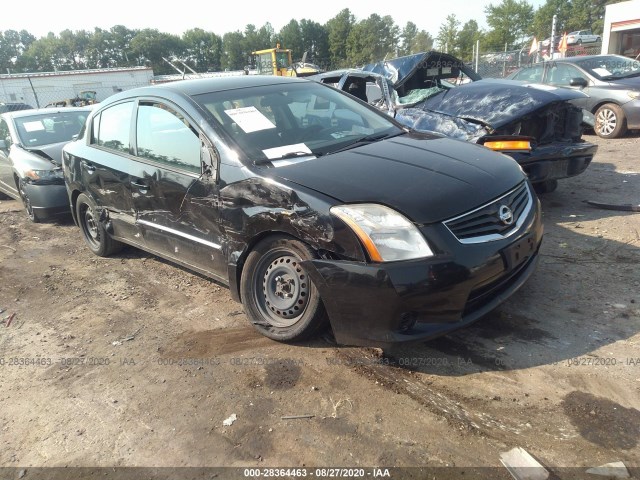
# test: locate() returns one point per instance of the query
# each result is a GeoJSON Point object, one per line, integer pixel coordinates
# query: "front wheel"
{"type": "Point", "coordinates": [278, 296]}
{"type": "Point", "coordinates": [95, 236]}
{"type": "Point", "coordinates": [26, 201]}
{"type": "Point", "coordinates": [610, 121]}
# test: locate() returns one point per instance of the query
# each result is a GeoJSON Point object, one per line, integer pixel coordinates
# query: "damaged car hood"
{"type": "Point", "coordinates": [52, 152]}
{"type": "Point", "coordinates": [427, 181]}
{"type": "Point", "coordinates": [496, 103]}
{"type": "Point", "coordinates": [401, 70]}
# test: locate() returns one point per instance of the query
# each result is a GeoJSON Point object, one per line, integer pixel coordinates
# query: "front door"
{"type": "Point", "coordinates": [176, 203]}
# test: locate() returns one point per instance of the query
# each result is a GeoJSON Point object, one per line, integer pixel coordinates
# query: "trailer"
{"type": "Point", "coordinates": [43, 88]}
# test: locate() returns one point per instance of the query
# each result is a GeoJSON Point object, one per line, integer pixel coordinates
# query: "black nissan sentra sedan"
{"type": "Point", "coordinates": [315, 209]}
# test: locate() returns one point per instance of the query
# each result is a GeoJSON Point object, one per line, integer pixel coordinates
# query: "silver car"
{"type": "Point", "coordinates": [31, 144]}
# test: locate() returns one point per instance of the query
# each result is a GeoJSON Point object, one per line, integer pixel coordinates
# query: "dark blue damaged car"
{"type": "Point", "coordinates": [538, 125]}
{"type": "Point", "coordinates": [315, 209]}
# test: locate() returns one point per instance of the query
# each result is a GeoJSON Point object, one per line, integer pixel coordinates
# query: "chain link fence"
{"type": "Point", "coordinates": [501, 64]}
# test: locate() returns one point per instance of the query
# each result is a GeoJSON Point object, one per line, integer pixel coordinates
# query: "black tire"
{"type": "Point", "coordinates": [579, 42]}
{"type": "Point", "coordinates": [26, 201]}
{"type": "Point", "coordinates": [93, 232]}
{"type": "Point", "coordinates": [278, 297]}
{"type": "Point", "coordinates": [547, 186]}
{"type": "Point", "coordinates": [610, 121]}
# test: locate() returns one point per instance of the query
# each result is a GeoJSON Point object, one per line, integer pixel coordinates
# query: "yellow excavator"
{"type": "Point", "coordinates": [277, 61]}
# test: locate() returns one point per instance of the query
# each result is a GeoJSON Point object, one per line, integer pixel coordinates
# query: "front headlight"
{"type": "Point", "coordinates": [36, 175]}
{"type": "Point", "coordinates": [633, 94]}
{"type": "Point", "coordinates": [386, 234]}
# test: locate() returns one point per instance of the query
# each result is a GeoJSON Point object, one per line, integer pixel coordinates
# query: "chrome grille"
{"type": "Point", "coordinates": [484, 224]}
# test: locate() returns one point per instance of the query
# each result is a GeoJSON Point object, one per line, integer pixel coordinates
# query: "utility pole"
{"type": "Point", "coordinates": [553, 35]}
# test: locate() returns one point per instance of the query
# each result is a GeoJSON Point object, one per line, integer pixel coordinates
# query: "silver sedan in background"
{"type": "Point", "coordinates": [31, 144]}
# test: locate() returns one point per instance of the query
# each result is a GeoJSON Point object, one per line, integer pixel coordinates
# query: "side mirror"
{"type": "Point", "coordinates": [578, 82]}
{"type": "Point", "coordinates": [207, 160]}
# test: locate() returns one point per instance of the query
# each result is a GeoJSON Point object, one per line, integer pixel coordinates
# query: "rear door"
{"type": "Point", "coordinates": [105, 170]}
{"type": "Point", "coordinates": [176, 202]}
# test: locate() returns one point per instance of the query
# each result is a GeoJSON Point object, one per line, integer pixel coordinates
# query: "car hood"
{"type": "Point", "coordinates": [496, 103]}
{"type": "Point", "coordinates": [633, 82]}
{"type": "Point", "coordinates": [426, 177]}
{"type": "Point", "coordinates": [51, 152]}
{"type": "Point", "coordinates": [402, 69]}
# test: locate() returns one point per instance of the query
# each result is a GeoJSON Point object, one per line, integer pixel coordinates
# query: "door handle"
{"type": "Point", "coordinates": [140, 184]}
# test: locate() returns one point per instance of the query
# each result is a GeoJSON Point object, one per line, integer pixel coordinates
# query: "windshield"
{"type": "Point", "coordinates": [610, 67]}
{"type": "Point", "coordinates": [47, 129]}
{"type": "Point", "coordinates": [299, 119]}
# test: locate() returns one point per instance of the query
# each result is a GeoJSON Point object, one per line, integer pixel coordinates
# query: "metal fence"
{"type": "Point", "coordinates": [501, 64]}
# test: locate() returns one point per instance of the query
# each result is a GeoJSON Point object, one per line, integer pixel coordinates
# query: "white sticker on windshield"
{"type": "Point", "coordinates": [278, 152]}
{"type": "Point", "coordinates": [603, 72]}
{"type": "Point", "coordinates": [432, 71]}
{"type": "Point", "coordinates": [33, 126]}
{"type": "Point", "coordinates": [446, 70]}
{"type": "Point", "coordinates": [362, 130]}
{"type": "Point", "coordinates": [249, 119]}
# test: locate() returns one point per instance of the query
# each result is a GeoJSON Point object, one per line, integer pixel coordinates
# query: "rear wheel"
{"type": "Point", "coordinates": [278, 296]}
{"type": "Point", "coordinates": [96, 237]}
{"type": "Point", "coordinates": [610, 121]}
{"type": "Point", "coordinates": [26, 201]}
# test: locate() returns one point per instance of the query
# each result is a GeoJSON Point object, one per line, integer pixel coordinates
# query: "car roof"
{"type": "Point", "coordinates": [44, 111]}
{"type": "Point", "coordinates": [207, 85]}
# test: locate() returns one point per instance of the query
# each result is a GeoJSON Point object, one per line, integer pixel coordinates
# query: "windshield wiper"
{"type": "Point", "coordinates": [368, 139]}
{"type": "Point", "coordinates": [261, 161]}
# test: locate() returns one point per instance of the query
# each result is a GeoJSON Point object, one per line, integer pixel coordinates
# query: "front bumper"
{"type": "Point", "coordinates": [382, 304]}
{"type": "Point", "coordinates": [556, 160]}
{"type": "Point", "coordinates": [632, 113]}
{"type": "Point", "coordinates": [48, 200]}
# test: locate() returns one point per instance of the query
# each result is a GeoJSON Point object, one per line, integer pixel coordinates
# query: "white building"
{"type": "Point", "coordinates": [621, 32]}
{"type": "Point", "coordinates": [40, 89]}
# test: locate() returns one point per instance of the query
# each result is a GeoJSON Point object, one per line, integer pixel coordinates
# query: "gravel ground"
{"type": "Point", "coordinates": [130, 361]}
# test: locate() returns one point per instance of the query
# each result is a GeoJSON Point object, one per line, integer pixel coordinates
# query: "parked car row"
{"type": "Point", "coordinates": [316, 209]}
{"type": "Point", "coordinates": [540, 127]}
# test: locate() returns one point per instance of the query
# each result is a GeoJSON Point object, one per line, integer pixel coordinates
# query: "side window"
{"type": "Point", "coordinates": [111, 129]}
{"type": "Point", "coordinates": [561, 74]}
{"type": "Point", "coordinates": [531, 74]}
{"type": "Point", "coordinates": [165, 136]}
{"type": "Point", "coordinates": [4, 132]}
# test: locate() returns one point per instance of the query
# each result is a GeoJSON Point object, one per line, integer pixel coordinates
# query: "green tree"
{"type": "Point", "coordinates": [315, 41]}
{"type": "Point", "coordinates": [202, 50]}
{"type": "Point", "coordinates": [13, 44]}
{"type": "Point", "coordinates": [407, 38]}
{"type": "Point", "coordinates": [372, 39]}
{"type": "Point", "coordinates": [447, 39]}
{"type": "Point", "coordinates": [233, 53]}
{"type": "Point", "coordinates": [509, 22]}
{"type": "Point", "coordinates": [423, 42]}
{"type": "Point", "coordinates": [338, 29]}
{"type": "Point", "coordinates": [151, 45]}
{"type": "Point", "coordinates": [543, 18]}
{"type": "Point", "coordinates": [290, 36]}
{"type": "Point", "coordinates": [467, 38]}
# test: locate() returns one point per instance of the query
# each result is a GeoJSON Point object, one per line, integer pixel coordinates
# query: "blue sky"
{"type": "Point", "coordinates": [175, 17]}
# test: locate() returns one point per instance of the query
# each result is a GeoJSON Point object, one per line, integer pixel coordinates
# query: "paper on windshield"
{"type": "Point", "coordinates": [33, 126]}
{"type": "Point", "coordinates": [603, 72]}
{"type": "Point", "coordinates": [249, 119]}
{"type": "Point", "coordinates": [278, 152]}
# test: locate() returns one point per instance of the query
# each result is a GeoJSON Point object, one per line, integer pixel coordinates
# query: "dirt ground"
{"type": "Point", "coordinates": [132, 361]}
